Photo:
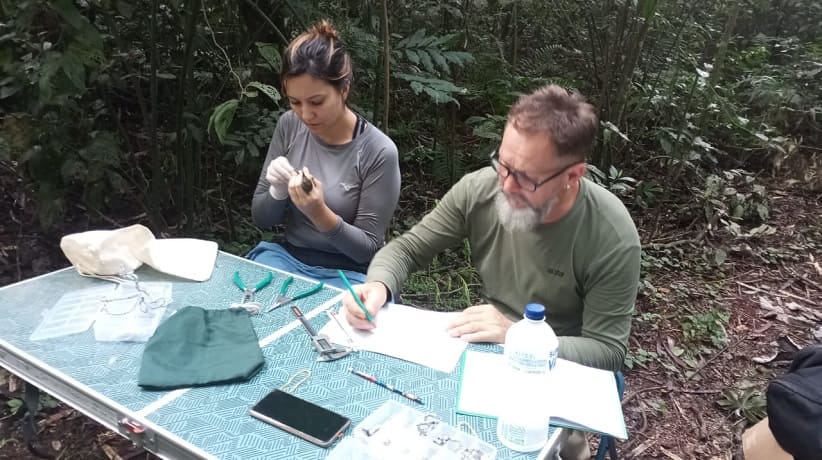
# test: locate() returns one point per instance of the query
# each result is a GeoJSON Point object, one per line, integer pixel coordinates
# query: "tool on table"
{"type": "Point", "coordinates": [356, 297]}
{"type": "Point", "coordinates": [248, 303]}
{"type": "Point", "coordinates": [322, 344]}
{"type": "Point", "coordinates": [283, 299]}
{"type": "Point", "coordinates": [387, 386]}
{"type": "Point", "coordinates": [351, 343]}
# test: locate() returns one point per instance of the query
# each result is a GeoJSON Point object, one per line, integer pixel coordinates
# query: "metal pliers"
{"type": "Point", "coordinates": [249, 291]}
{"type": "Point", "coordinates": [283, 299]}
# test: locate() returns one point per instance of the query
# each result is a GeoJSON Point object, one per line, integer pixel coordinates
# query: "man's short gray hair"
{"type": "Point", "coordinates": [569, 121]}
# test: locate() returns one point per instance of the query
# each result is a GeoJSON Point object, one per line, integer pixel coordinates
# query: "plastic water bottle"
{"type": "Point", "coordinates": [530, 355]}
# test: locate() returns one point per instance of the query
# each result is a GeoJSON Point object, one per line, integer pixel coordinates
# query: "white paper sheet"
{"type": "Point", "coordinates": [404, 332]}
{"type": "Point", "coordinates": [581, 397]}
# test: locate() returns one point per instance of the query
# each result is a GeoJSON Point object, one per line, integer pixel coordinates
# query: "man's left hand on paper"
{"type": "Point", "coordinates": [480, 323]}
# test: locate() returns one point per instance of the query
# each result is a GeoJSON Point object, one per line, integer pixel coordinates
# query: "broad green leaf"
{"type": "Point", "coordinates": [268, 90]}
{"type": "Point", "coordinates": [47, 72]}
{"type": "Point", "coordinates": [195, 132]}
{"type": "Point", "coordinates": [8, 91]}
{"type": "Point", "coordinates": [104, 148]}
{"type": "Point", "coordinates": [89, 56]}
{"type": "Point", "coordinates": [271, 55]}
{"type": "Point", "coordinates": [14, 405]}
{"type": "Point", "coordinates": [75, 71]}
{"type": "Point", "coordinates": [85, 31]}
{"type": "Point", "coordinates": [222, 117]}
{"type": "Point", "coordinates": [647, 8]}
{"type": "Point", "coordinates": [666, 145]}
{"type": "Point", "coordinates": [126, 9]}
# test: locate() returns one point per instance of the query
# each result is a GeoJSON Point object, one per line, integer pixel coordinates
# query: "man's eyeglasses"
{"type": "Point", "coordinates": [521, 179]}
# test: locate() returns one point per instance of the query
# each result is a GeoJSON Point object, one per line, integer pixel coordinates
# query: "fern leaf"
{"type": "Point", "coordinates": [459, 58]}
{"type": "Point", "coordinates": [442, 40]}
{"type": "Point", "coordinates": [439, 59]}
{"type": "Point", "coordinates": [427, 41]}
{"type": "Point", "coordinates": [412, 56]}
{"type": "Point", "coordinates": [439, 97]}
{"type": "Point", "coordinates": [415, 39]}
{"type": "Point", "coordinates": [426, 61]}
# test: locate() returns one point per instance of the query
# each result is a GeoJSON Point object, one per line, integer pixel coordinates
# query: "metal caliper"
{"type": "Point", "coordinates": [327, 350]}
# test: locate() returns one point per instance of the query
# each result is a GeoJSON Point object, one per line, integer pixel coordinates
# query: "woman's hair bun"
{"type": "Point", "coordinates": [326, 29]}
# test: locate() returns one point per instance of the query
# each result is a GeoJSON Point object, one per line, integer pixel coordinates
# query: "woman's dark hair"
{"type": "Point", "coordinates": [320, 53]}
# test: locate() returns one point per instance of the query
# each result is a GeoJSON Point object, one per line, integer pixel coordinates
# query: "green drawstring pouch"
{"type": "Point", "coordinates": [196, 347]}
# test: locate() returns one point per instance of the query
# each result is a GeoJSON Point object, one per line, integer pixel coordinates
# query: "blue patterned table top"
{"type": "Point", "coordinates": [215, 419]}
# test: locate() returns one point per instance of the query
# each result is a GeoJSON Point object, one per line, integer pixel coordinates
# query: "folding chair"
{"type": "Point", "coordinates": [608, 443]}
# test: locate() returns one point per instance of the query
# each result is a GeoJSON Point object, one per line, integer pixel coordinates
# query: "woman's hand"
{"type": "Point", "coordinates": [278, 174]}
{"type": "Point", "coordinates": [312, 203]}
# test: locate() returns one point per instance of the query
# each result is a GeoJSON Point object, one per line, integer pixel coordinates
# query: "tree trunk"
{"type": "Point", "coordinates": [722, 48]}
{"type": "Point", "coordinates": [157, 186]}
{"type": "Point", "coordinates": [186, 168]}
{"type": "Point", "coordinates": [386, 61]}
{"type": "Point", "coordinates": [515, 39]}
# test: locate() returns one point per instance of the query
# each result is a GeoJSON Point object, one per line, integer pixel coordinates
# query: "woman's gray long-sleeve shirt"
{"type": "Point", "coordinates": [361, 184]}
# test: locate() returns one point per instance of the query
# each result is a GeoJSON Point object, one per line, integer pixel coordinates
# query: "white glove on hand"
{"type": "Point", "coordinates": [278, 174]}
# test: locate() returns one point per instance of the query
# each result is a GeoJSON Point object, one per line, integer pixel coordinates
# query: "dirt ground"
{"type": "Point", "coordinates": [697, 377]}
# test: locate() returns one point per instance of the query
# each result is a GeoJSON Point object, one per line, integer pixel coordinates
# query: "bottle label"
{"type": "Point", "coordinates": [531, 363]}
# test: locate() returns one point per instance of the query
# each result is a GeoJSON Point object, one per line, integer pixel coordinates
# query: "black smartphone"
{"type": "Point", "coordinates": [300, 417]}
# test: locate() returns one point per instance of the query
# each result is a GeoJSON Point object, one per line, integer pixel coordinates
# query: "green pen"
{"type": "Point", "coordinates": [356, 297]}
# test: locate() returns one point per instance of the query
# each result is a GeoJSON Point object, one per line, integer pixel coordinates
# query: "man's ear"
{"type": "Point", "coordinates": [577, 171]}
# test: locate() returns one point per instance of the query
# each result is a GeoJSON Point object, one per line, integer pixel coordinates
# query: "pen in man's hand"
{"type": "Point", "coordinates": [356, 297]}
{"type": "Point", "coordinates": [373, 379]}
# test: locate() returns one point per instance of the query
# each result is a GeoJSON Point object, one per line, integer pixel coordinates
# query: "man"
{"type": "Point", "coordinates": [539, 232]}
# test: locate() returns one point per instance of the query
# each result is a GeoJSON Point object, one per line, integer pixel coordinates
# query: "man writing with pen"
{"type": "Point", "coordinates": [539, 231]}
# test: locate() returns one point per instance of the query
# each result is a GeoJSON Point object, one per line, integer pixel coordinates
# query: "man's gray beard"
{"type": "Point", "coordinates": [524, 220]}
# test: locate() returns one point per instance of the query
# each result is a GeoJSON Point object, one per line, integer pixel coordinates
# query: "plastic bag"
{"type": "Point", "coordinates": [132, 313]}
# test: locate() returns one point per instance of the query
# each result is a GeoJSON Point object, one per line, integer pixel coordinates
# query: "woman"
{"type": "Point", "coordinates": [330, 176]}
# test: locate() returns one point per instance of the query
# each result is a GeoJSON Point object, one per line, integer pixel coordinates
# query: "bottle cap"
{"type": "Point", "coordinates": [535, 311]}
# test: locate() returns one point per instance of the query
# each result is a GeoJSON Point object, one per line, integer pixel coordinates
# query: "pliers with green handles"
{"type": "Point", "coordinates": [283, 299]}
{"type": "Point", "coordinates": [249, 291]}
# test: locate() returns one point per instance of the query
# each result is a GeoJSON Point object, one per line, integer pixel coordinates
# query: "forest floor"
{"type": "Point", "coordinates": [706, 338]}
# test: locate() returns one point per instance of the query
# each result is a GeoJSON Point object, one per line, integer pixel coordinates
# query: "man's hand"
{"type": "Point", "coordinates": [480, 323]}
{"type": "Point", "coordinates": [373, 296]}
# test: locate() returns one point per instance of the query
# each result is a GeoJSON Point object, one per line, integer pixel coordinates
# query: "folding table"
{"type": "Point", "coordinates": [99, 379]}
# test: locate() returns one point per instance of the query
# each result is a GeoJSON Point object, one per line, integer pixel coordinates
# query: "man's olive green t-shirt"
{"type": "Point", "coordinates": [584, 268]}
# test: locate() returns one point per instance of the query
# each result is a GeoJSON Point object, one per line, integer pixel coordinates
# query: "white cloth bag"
{"type": "Point", "coordinates": [122, 251]}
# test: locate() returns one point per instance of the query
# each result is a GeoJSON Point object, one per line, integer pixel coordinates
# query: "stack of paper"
{"type": "Point", "coordinates": [412, 334]}
{"type": "Point", "coordinates": [581, 397]}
